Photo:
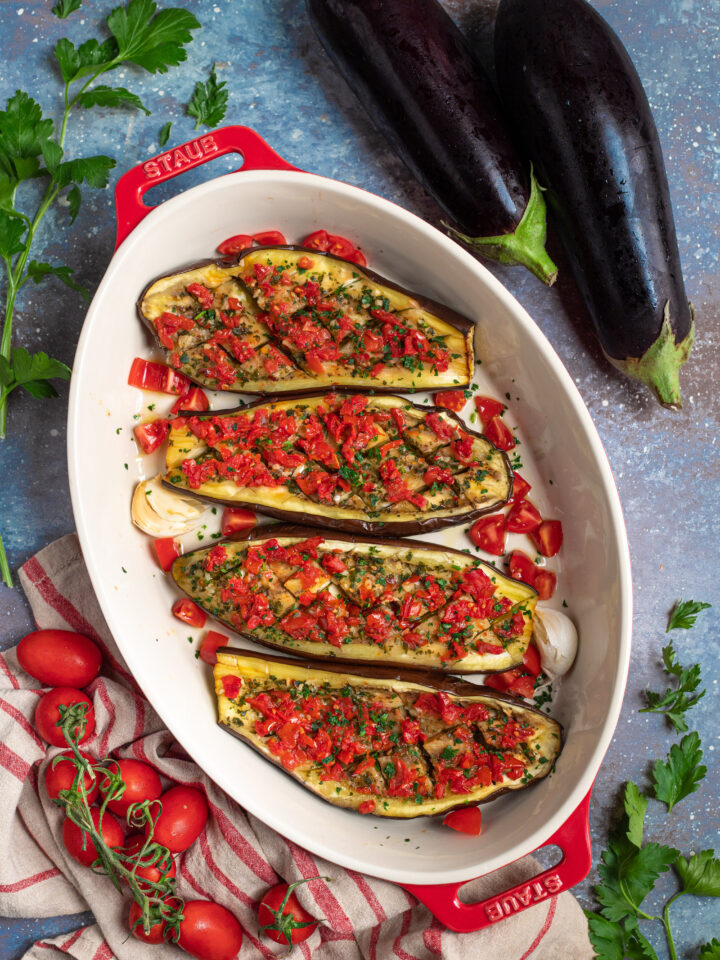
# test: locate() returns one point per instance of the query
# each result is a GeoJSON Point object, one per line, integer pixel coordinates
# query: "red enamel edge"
{"type": "Point", "coordinates": [573, 839]}
{"type": "Point", "coordinates": [256, 154]}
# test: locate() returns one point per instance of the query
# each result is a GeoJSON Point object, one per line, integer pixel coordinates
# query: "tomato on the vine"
{"type": "Point", "coordinates": [465, 820]}
{"type": "Point", "coordinates": [488, 533]}
{"type": "Point", "coordinates": [61, 772]}
{"type": "Point", "coordinates": [141, 783]}
{"type": "Point", "coordinates": [156, 931]}
{"type": "Point", "coordinates": [283, 918]}
{"type": "Point", "coordinates": [153, 872]}
{"type": "Point", "coordinates": [86, 852]}
{"type": "Point", "coordinates": [59, 658]}
{"type": "Point", "coordinates": [209, 931]}
{"type": "Point", "coordinates": [182, 819]}
{"type": "Point", "coordinates": [47, 714]}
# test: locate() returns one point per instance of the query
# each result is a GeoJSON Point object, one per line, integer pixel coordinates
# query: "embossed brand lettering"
{"type": "Point", "coordinates": [521, 897]}
{"type": "Point", "coordinates": [180, 157]}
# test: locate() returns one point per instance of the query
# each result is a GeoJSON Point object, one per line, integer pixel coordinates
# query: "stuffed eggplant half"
{"type": "Point", "coordinates": [285, 319]}
{"type": "Point", "coordinates": [355, 463]}
{"type": "Point", "coordinates": [363, 600]}
{"type": "Point", "coordinates": [390, 743]}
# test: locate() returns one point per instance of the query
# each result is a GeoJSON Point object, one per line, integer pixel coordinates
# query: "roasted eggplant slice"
{"type": "Point", "coordinates": [286, 319]}
{"type": "Point", "coordinates": [355, 463]}
{"type": "Point", "coordinates": [382, 741]}
{"type": "Point", "coordinates": [362, 599]}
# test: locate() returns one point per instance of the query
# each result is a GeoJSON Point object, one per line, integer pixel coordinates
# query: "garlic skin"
{"type": "Point", "coordinates": [556, 639]}
{"type": "Point", "coordinates": [163, 513]}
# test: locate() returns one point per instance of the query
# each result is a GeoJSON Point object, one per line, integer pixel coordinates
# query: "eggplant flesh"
{"type": "Point", "coordinates": [278, 320]}
{"type": "Point", "coordinates": [362, 600]}
{"type": "Point", "coordinates": [362, 464]}
{"type": "Point", "coordinates": [585, 122]}
{"type": "Point", "coordinates": [411, 69]}
{"type": "Point", "coordinates": [398, 744]}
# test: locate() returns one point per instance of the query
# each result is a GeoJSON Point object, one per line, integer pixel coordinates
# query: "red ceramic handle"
{"type": "Point", "coordinates": [573, 838]}
{"type": "Point", "coordinates": [256, 154]}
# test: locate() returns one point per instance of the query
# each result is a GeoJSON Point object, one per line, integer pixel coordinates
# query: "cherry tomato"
{"type": "Point", "coordinates": [47, 714]}
{"type": "Point", "coordinates": [235, 245]}
{"type": "Point", "coordinates": [269, 238]}
{"type": "Point", "coordinates": [488, 533]}
{"type": "Point", "coordinates": [60, 775]}
{"type": "Point", "coordinates": [319, 240]}
{"type": "Point", "coordinates": [154, 935]}
{"type": "Point", "coordinates": [358, 257]}
{"type": "Point", "coordinates": [148, 375]}
{"type": "Point", "coordinates": [531, 660]}
{"type": "Point", "coordinates": [153, 872]}
{"type": "Point", "coordinates": [488, 409]}
{"type": "Point", "coordinates": [59, 658]}
{"type": "Point", "coordinates": [523, 687]}
{"type": "Point", "coordinates": [340, 247]}
{"type": "Point", "coordinates": [184, 814]}
{"type": "Point", "coordinates": [450, 399]}
{"type": "Point", "coordinates": [209, 931]}
{"type": "Point", "coordinates": [194, 399]}
{"type": "Point", "coordinates": [289, 923]}
{"type": "Point", "coordinates": [496, 681]}
{"type": "Point", "coordinates": [210, 644]}
{"type": "Point", "coordinates": [141, 783]}
{"type": "Point", "coordinates": [236, 519]}
{"type": "Point", "coordinates": [521, 488]}
{"type": "Point", "coordinates": [548, 537]}
{"type": "Point", "coordinates": [522, 517]}
{"type": "Point", "coordinates": [499, 434]}
{"type": "Point", "coordinates": [111, 833]}
{"type": "Point", "coordinates": [167, 550]}
{"type": "Point", "coordinates": [521, 567]}
{"type": "Point", "coordinates": [150, 435]}
{"type": "Point", "coordinates": [545, 583]}
{"type": "Point", "coordinates": [465, 820]}
{"type": "Point", "coordinates": [189, 613]}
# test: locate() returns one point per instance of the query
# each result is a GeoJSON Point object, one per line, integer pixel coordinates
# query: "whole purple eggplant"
{"type": "Point", "coordinates": [412, 71]}
{"type": "Point", "coordinates": [582, 115]}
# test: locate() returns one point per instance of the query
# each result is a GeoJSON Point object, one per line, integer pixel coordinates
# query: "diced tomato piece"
{"type": "Point", "coordinates": [372, 342]}
{"type": "Point", "coordinates": [522, 517]}
{"type": "Point", "coordinates": [499, 434]}
{"type": "Point", "coordinates": [488, 533]}
{"type": "Point", "coordinates": [204, 296]}
{"type": "Point", "coordinates": [235, 520]}
{"type": "Point", "coordinates": [523, 687]}
{"type": "Point", "coordinates": [450, 399]}
{"type": "Point", "coordinates": [545, 583]}
{"type": "Point", "coordinates": [496, 681]}
{"type": "Point", "coordinates": [319, 240]}
{"type": "Point", "coordinates": [488, 409]}
{"type": "Point", "coordinates": [304, 263]}
{"type": "Point", "coordinates": [211, 641]}
{"type": "Point", "coordinates": [315, 364]}
{"type": "Point", "coordinates": [150, 435]}
{"type": "Point", "coordinates": [548, 537]}
{"type": "Point", "coordinates": [167, 550]}
{"type": "Point", "coordinates": [521, 567]}
{"type": "Point", "coordinates": [367, 806]}
{"type": "Point", "coordinates": [521, 488]}
{"type": "Point", "coordinates": [148, 375]}
{"type": "Point", "coordinates": [231, 686]}
{"type": "Point", "coordinates": [194, 399]}
{"type": "Point", "coordinates": [235, 245]}
{"type": "Point", "coordinates": [268, 238]}
{"type": "Point", "coordinates": [333, 563]}
{"type": "Point", "coordinates": [531, 660]}
{"type": "Point", "coordinates": [189, 613]}
{"type": "Point", "coordinates": [358, 257]}
{"type": "Point", "coordinates": [340, 246]}
{"type": "Point", "coordinates": [465, 820]}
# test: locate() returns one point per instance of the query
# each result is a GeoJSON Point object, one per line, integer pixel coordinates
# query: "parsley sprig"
{"type": "Point", "coordinates": [32, 154]}
{"type": "Point", "coordinates": [676, 701]}
{"type": "Point", "coordinates": [685, 613]}
{"type": "Point", "coordinates": [209, 101]}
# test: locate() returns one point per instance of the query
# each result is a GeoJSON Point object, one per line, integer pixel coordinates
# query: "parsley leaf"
{"type": "Point", "coordinates": [616, 941]}
{"type": "Point", "coordinates": [209, 101]}
{"type": "Point", "coordinates": [635, 807]}
{"type": "Point", "coordinates": [95, 171]}
{"type": "Point", "coordinates": [74, 199]}
{"type": "Point", "coordinates": [710, 951]}
{"type": "Point", "coordinates": [685, 613]}
{"type": "Point", "coordinates": [37, 271]}
{"type": "Point", "coordinates": [103, 96]}
{"type": "Point", "coordinates": [23, 130]}
{"type": "Point", "coordinates": [63, 8]}
{"type": "Point", "coordinates": [700, 874]}
{"type": "Point", "coordinates": [12, 233]}
{"type": "Point", "coordinates": [675, 703]}
{"type": "Point", "coordinates": [164, 134]}
{"type": "Point", "coordinates": [31, 372]}
{"type": "Point", "coordinates": [679, 775]}
{"type": "Point", "coordinates": [154, 41]}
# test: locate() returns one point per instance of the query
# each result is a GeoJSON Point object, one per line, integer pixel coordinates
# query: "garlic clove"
{"type": "Point", "coordinates": [161, 512]}
{"type": "Point", "coordinates": [557, 640]}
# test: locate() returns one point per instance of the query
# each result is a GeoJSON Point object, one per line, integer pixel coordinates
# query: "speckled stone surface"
{"type": "Point", "coordinates": [666, 464]}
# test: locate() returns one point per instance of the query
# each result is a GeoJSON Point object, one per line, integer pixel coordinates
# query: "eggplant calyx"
{"type": "Point", "coordinates": [525, 246]}
{"type": "Point", "coordinates": [659, 366]}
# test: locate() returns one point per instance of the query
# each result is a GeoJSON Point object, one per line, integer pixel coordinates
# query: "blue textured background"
{"type": "Point", "coordinates": [666, 464]}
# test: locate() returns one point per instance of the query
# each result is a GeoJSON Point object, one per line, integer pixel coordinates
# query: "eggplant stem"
{"type": "Point", "coordinates": [525, 246]}
{"type": "Point", "coordinates": [659, 366]}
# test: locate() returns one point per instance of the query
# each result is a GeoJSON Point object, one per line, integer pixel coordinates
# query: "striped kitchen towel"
{"type": "Point", "coordinates": [236, 857]}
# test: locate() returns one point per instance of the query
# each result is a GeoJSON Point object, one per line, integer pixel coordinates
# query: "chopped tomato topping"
{"type": "Point", "coordinates": [488, 409]}
{"type": "Point", "coordinates": [521, 567]}
{"type": "Point", "coordinates": [150, 435]}
{"type": "Point", "coordinates": [148, 375]}
{"type": "Point", "coordinates": [545, 583]}
{"type": "Point", "coordinates": [189, 613]}
{"type": "Point", "coordinates": [367, 806]}
{"type": "Point", "coordinates": [209, 647]}
{"type": "Point", "coordinates": [521, 488]}
{"type": "Point", "coordinates": [201, 293]}
{"type": "Point", "coordinates": [441, 428]}
{"type": "Point", "coordinates": [522, 517]}
{"type": "Point", "coordinates": [167, 550]}
{"type": "Point", "coordinates": [450, 399]}
{"type": "Point", "coordinates": [488, 533]}
{"type": "Point", "coordinates": [548, 537]}
{"type": "Point", "coordinates": [168, 324]}
{"type": "Point", "coordinates": [499, 434]}
{"type": "Point", "coordinates": [236, 520]}
{"type": "Point", "coordinates": [231, 686]}
{"type": "Point", "coordinates": [194, 399]}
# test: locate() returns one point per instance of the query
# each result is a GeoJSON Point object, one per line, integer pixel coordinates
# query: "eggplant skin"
{"type": "Point", "coordinates": [582, 115]}
{"type": "Point", "coordinates": [165, 291]}
{"type": "Point", "coordinates": [410, 553]}
{"type": "Point", "coordinates": [547, 743]}
{"type": "Point", "coordinates": [328, 516]}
